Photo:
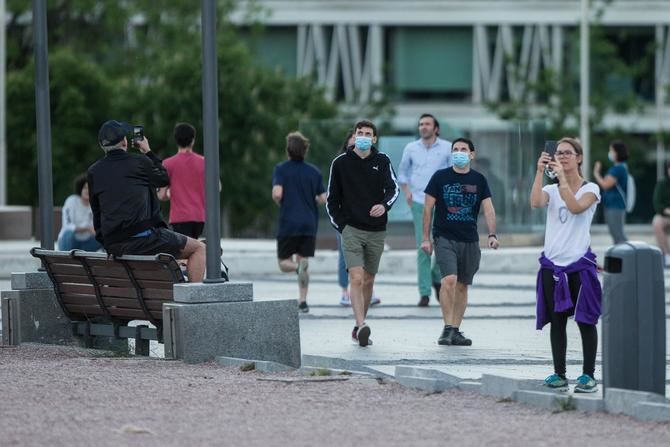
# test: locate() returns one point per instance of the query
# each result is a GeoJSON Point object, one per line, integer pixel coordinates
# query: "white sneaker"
{"type": "Point", "coordinates": [345, 301]}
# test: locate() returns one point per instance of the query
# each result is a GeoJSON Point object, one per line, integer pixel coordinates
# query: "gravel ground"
{"type": "Point", "coordinates": [63, 396]}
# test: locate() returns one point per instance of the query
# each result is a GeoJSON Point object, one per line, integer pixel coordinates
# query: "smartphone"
{"type": "Point", "coordinates": [138, 134]}
{"type": "Point", "coordinates": [550, 147]}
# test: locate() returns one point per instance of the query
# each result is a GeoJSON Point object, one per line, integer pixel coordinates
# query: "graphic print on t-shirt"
{"type": "Point", "coordinates": [459, 200]}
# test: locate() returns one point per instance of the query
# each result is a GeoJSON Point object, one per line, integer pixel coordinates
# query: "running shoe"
{"type": "Point", "coordinates": [345, 301]}
{"type": "Point", "coordinates": [363, 335]}
{"type": "Point", "coordinates": [458, 339]}
{"type": "Point", "coordinates": [374, 301]}
{"type": "Point", "coordinates": [445, 338]}
{"type": "Point", "coordinates": [586, 384]}
{"type": "Point", "coordinates": [556, 382]}
{"type": "Point", "coordinates": [303, 307]}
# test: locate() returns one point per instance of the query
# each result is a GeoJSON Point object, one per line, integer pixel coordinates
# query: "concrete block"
{"type": "Point", "coordinates": [505, 387]}
{"type": "Point", "coordinates": [619, 400]}
{"type": "Point", "coordinates": [225, 292]}
{"type": "Point", "coordinates": [30, 280]}
{"type": "Point", "coordinates": [261, 330]}
{"type": "Point", "coordinates": [319, 361]}
{"type": "Point", "coordinates": [426, 373]}
{"type": "Point", "coordinates": [259, 365]}
{"type": "Point", "coordinates": [33, 315]}
{"type": "Point", "coordinates": [468, 385]}
{"type": "Point", "coordinates": [425, 383]}
{"type": "Point", "coordinates": [588, 402]}
{"type": "Point", "coordinates": [544, 399]}
{"type": "Point", "coordinates": [651, 411]}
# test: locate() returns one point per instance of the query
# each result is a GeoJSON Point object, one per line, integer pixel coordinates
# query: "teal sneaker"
{"type": "Point", "coordinates": [586, 384]}
{"type": "Point", "coordinates": [556, 382]}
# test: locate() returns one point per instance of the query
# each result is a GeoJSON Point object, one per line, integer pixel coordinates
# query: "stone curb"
{"type": "Point", "coordinates": [618, 400]}
{"type": "Point", "coordinates": [425, 383]}
{"type": "Point", "coordinates": [470, 386]}
{"type": "Point", "coordinates": [319, 361]}
{"type": "Point", "coordinates": [559, 401]}
{"type": "Point", "coordinates": [259, 365]}
{"type": "Point", "coordinates": [652, 411]}
{"type": "Point", "coordinates": [426, 373]}
{"type": "Point", "coordinates": [505, 387]}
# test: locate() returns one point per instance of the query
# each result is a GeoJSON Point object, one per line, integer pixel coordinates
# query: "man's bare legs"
{"type": "Point", "coordinates": [453, 301]}
{"type": "Point", "coordinates": [360, 300]}
{"type": "Point", "coordinates": [368, 285]}
{"type": "Point", "coordinates": [290, 266]}
{"type": "Point", "coordinates": [194, 253]}
{"type": "Point", "coordinates": [660, 225]}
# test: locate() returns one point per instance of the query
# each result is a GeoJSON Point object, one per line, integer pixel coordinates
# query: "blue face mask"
{"type": "Point", "coordinates": [610, 157]}
{"type": "Point", "coordinates": [461, 159]}
{"type": "Point", "coordinates": [363, 143]}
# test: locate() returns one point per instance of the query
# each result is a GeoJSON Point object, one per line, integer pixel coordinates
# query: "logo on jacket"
{"type": "Point", "coordinates": [376, 168]}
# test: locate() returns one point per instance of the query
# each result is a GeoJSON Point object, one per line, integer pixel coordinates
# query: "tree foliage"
{"type": "Point", "coordinates": [143, 64]}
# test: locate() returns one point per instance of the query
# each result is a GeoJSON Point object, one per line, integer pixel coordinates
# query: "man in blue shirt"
{"type": "Point", "coordinates": [420, 160]}
{"type": "Point", "coordinates": [615, 190]}
{"type": "Point", "coordinates": [297, 187]}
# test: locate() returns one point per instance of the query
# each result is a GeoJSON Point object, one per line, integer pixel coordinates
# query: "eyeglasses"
{"type": "Point", "coordinates": [565, 153]}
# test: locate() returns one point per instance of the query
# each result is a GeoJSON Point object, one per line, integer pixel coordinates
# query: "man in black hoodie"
{"type": "Point", "coordinates": [126, 213]}
{"type": "Point", "coordinates": [361, 189]}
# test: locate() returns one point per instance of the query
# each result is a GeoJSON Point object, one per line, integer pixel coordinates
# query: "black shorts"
{"type": "Point", "coordinates": [161, 240]}
{"type": "Point", "coordinates": [190, 229]}
{"type": "Point", "coordinates": [296, 245]}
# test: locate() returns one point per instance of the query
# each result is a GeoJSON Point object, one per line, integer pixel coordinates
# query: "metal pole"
{"type": "Point", "coordinates": [43, 123]}
{"type": "Point", "coordinates": [3, 108]}
{"type": "Point", "coordinates": [660, 100]}
{"type": "Point", "coordinates": [584, 79]}
{"type": "Point", "coordinates": [210, 121]}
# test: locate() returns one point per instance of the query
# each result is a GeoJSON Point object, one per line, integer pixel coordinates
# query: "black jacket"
{"type": "Point", "coordinates": [357, 184]}
{"type": "Point", "coordinates": [123, 196]}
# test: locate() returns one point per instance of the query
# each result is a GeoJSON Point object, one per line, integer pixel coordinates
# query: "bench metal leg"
{"type": "Point", "coordinates": [141, 345]}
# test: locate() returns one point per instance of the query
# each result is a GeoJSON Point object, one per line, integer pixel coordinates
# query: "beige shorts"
{"type": "Point", "coordinates": [363, 248]}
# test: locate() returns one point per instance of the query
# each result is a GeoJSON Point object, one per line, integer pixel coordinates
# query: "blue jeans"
{"type": "Point", "coordinates": [342, 275]}
{"type": "Point", "coordinates": [69, 242]}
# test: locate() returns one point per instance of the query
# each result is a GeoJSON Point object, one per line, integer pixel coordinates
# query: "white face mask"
{"type": "Point", "coordinates": [610, 157]}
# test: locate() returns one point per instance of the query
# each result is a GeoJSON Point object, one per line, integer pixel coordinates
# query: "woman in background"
{"type": "Point", "coordinates": [77, 221]}
{"type": "Point", "coordinates": [615, 188]}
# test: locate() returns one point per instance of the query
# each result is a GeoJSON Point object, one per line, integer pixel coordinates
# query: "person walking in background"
{"type": "Point", "coordinates": [126, 212]}
{"type": "Point", "coordinates": [297, 187]}
{"type": "Point", "coordinates": [420, 160]}
{"type": "Point", "coordinates": [77, 230]}
{"type": "Point", "coordinates": [186, 192]}
{"type": "Point", "coordinates": [567, 282]}
{"type": "Point", "coordinates": [342, 274]}
{"type": "Point", "coordinates": [661, 221]}
{"type": "Point", "coordinates": [361, 189]}
{"type": "Point", "coordinates": [456, 194]}
{"type": "Point", "coordinates": [615, 188]}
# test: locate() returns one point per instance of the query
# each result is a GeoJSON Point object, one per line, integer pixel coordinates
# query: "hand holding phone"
{"type": "Point", "coordinates": [550, 148]}
{"type": "Point", "coordinates": [138, 134]}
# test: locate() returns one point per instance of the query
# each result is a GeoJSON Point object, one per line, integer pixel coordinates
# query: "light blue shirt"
{"type": "Point", "coordinates": [419, 163]}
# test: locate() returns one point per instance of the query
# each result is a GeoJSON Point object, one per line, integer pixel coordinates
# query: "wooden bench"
{"type": "Point", "coordinates": [101, 294]}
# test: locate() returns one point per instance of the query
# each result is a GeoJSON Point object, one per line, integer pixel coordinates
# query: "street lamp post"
{"type": "Point", "coordinates": [584, 87]}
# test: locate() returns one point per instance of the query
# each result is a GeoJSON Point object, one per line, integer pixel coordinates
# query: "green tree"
{"type": "Point", "coordinates": [79, 96]}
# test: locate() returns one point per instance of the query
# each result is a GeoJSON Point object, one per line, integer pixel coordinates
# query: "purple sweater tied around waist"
{"type": "Point", "coordinates": [587, 308]}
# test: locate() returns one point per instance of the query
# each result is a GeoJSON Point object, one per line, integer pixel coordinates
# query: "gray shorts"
{"type": "Point", "coordinates": [458, 258]}
{"type": "Point", "coordinates": [363, 248]}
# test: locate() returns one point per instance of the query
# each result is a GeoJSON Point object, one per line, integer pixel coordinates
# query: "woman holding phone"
{"type": "Point", "coordinates": [567, 282]}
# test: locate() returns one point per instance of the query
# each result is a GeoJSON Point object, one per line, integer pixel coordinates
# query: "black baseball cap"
{"type": "Point", "coordinates": [112, 132]}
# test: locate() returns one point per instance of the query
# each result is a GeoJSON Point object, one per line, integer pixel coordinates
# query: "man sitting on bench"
{"type": "Point", "coordinates": [126, 211]}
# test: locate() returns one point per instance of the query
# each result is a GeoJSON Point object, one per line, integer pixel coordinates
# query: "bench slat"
{"type": "Point", "coordinates": [127, 303]}
{"type": "Point", "coordinates": [118, 292]}
{"type": "Point", "coordinates": [67, 269]}
{"type": "Point", "coordinates": [72, 279]}
{"type": "Point", "coordinates": [162, 274]}
{"type": "Point", "coordinates": [109, 270]}
{"type": "Point", "coordinates": [91, 311]}
{"type": "Point", "coordinates": [157, 294]}
{"type": "Point", "coordinates": [61, 260]}
{"type": "Point", "coordinates": [131, 314]}
{"type": "Point", "coordinates": [87, 289]}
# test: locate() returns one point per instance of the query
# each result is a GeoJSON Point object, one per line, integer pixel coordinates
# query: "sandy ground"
{"type": "Point", "coordinates": [62, 396]}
